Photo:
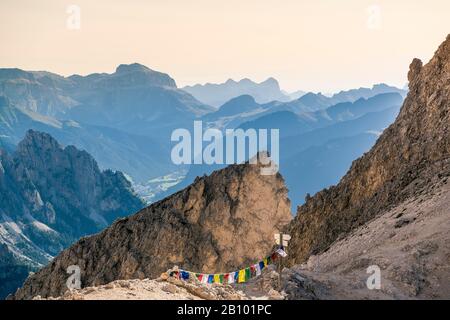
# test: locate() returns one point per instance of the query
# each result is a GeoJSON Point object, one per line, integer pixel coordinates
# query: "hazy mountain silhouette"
{"type": "Point", "coordinates": [217, 94]}
{"type": "Point", "coordinates": [140, 157]}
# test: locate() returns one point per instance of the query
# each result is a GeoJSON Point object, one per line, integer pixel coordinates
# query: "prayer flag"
{"type": "Point", "coordinates": [261, 265]}
{"type": "Point", "coordinates": [253, 270]}
{"type": "Point", "coordinates": [248, 274]}
{"type": "Point", "coordinates": [258, 269]}
{"type": "Point", "coordinates": [282, 253]}
{"type": "Point", "coordinates": [241, 275]}
{"type": "Point", "coordinates": [216, 278]}
{"type": "Point", "coordinates": [231, 277]}
{"type": "Point", "coordinates": [184, 275]}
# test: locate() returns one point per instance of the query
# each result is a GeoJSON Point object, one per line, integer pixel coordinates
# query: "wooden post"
{"type": "Point", "coordinates": [280, 263]}
{"type": "Point", "coordinates": [282, 240]}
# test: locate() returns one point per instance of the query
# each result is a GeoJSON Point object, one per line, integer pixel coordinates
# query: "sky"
{"type": "Point", "coordinates": [314, 45]}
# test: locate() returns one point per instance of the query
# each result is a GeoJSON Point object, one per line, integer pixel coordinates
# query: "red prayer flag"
{"type": "Point", "coordinates": [253, 269]}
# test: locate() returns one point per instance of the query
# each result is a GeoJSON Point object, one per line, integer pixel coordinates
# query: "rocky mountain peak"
{"type": "Point", "coordinates": [219, 223]}
{"type": "Point", "coordinates": [44, 186]}
{"type": "Point", "coordinates": [414, 69]}
{"type": "Point", "coordinates": [136, 74]}
{"type": "Point", "coordinates": [34, 140]}
{"type": "Point", "coordinates": [412, 153]}
{"type": "Point", "coordinates": [14, 74]}
{"type": "Point", "coordinates": [271, 81]}
{"type": "Point", "coordinates": [242, 100]}
{"type": "Point", "coordinates": [133, 67]}
{"type": "Point", "coordinates": [438, 65]}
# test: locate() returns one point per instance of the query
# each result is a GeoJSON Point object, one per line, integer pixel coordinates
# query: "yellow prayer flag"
{"type": "Point", "coordinates": [241, 276]}
{"type": "Point", "coordinates": [217, 278]}
{"type": "Point", "coordinates": [265, 262]}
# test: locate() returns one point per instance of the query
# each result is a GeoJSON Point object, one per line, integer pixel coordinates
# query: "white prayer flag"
{"type": "Point", "coordinates": [258, 269]}
{"type": "Point", "coordinates": [231, 277]}
{"type": "Point", "coordinates": [282, 253]}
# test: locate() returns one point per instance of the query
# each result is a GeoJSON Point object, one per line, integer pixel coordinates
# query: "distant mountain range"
{"type": "Point", "coordinates": [217, 94]}
{"type": "Point", "coordinates": [268, 91]}
{"type": "Point", "coordinates": [245, 108]}
{"type": "Point", "coordinates": [124, 119]}
{"type": "Point", "coordinates": [136, 155]}
{"type": "Point", "coordinates": [309, 140]}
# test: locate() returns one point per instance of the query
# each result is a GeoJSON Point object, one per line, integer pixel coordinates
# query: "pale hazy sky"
{"type": "Point", "coordinates": [319, 45]}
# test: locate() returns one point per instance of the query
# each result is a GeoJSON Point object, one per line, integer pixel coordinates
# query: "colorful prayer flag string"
{"type": "Point", "coordinates": [240, 276]}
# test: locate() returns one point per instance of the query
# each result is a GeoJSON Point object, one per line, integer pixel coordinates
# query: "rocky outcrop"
{"type": "Point", "coordinates": [157, 289]}
{"type": "Point", "coordinates": [412, 154]}
{"type": "Point", "coordinates": [219, 223]}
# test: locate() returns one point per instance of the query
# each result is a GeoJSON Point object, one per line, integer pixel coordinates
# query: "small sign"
{"type": "Point", "coordinates": [284, 239]}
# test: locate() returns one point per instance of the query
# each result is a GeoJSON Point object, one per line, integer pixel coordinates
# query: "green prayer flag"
{"type": "Point", "coordinates": [248, 274]}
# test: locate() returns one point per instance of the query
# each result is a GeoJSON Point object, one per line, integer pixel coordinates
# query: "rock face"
{"type": "Point", "coordinates": [51, 196]}
{"type": "Point", "coordinates": [410, 244]}
{"type": "Point", "coordinates": [407, 157]}
{"type": "Point", "coordinates": [219, 223]}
